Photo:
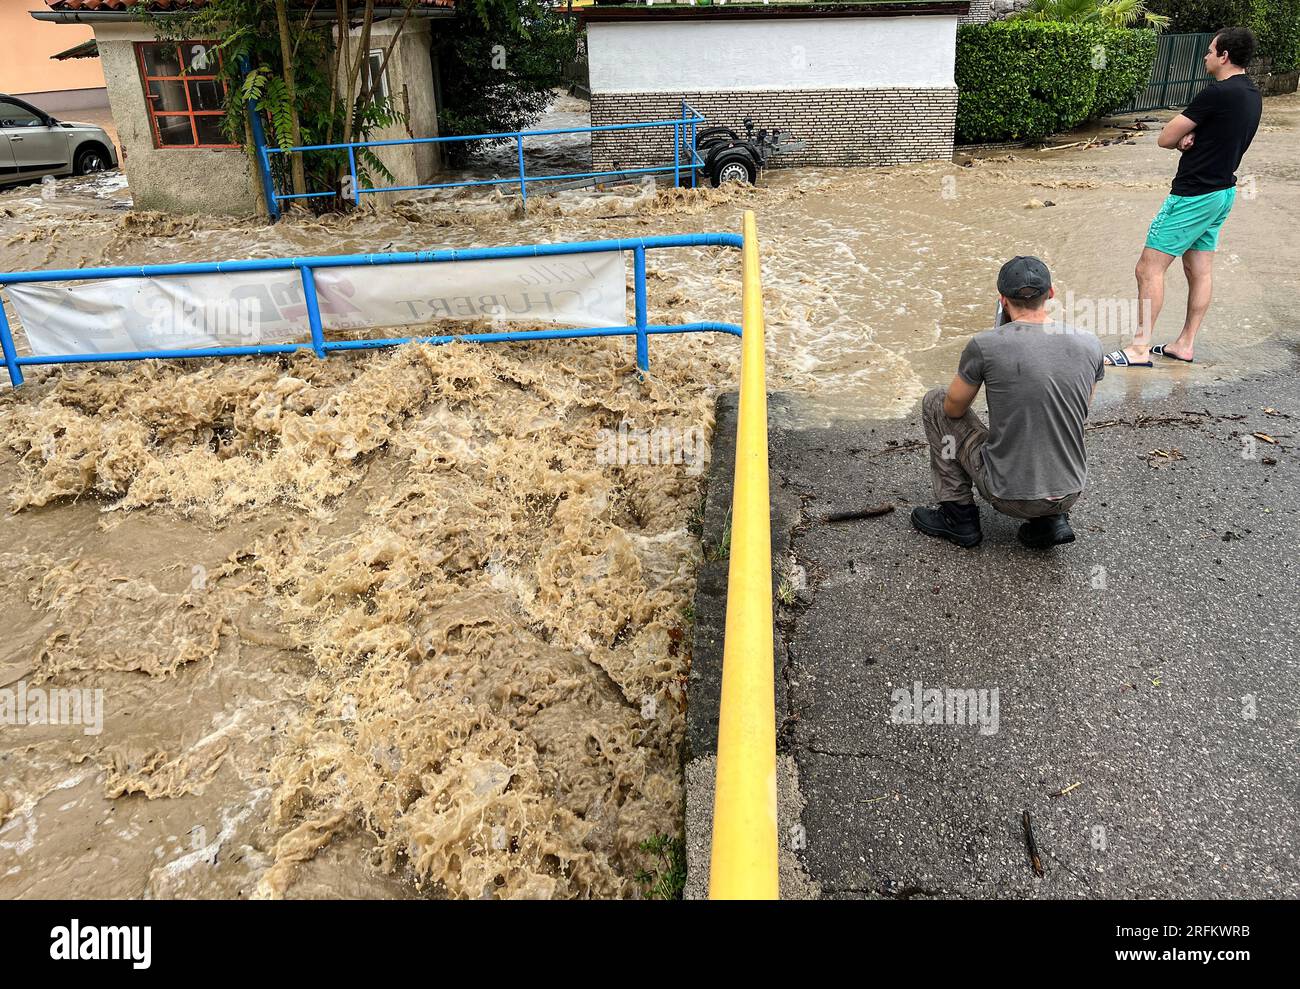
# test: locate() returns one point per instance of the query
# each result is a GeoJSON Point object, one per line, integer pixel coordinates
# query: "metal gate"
{"type": "Point", "coordinates": [1177, 75]}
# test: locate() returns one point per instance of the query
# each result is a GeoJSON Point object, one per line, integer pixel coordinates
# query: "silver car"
{"type": "Point", "coordinates": [32, 144]}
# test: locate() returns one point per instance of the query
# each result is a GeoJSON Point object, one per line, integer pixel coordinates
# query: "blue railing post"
{"type": "Point", "coordinates": [263, 159]}
{"type": "Point", "coordinates": [313, 310]}
{"type": "Point", "coordinates": [642, 338]}
{"type": "Point", "coordinates": [695, 171]}
{"type": "Point", "coordinates": [11, 355]}
{"type": "Point", "coordinates": [352, 170]}
{"type": "Point", "coordinates": [677, 153]}
{"type": "Point", "coordinates": [272, 198]}
{"type": "Point", "coordinates": [523, 182]}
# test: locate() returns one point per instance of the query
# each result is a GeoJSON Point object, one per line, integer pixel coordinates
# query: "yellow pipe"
{"type": "Point", "coordinates": [744, 854]}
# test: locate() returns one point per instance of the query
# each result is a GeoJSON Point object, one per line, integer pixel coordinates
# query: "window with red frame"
{"type": "Point", "coordinates": [186, 100]}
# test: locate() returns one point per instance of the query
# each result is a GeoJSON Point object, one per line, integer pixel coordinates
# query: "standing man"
{"type": "Point", "coordinates": [1029, 462]}
{"type": "Point", "coordinates": [1212, 133]}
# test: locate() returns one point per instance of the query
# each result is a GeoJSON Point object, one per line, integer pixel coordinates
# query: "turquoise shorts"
{"type": "Point", "coordinates": [1190, 223]}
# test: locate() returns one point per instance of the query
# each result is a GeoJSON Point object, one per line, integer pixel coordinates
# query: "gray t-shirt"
{"type": "Point", "coordinates": [1038, 379]}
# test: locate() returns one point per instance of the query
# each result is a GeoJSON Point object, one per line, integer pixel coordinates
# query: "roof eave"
{"type": "Point", "coordinates": [755, 11]}
{"type": "Point", "coordinates": [93, 17]}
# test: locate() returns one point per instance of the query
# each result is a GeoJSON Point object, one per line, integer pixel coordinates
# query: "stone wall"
{"type": "Point", "coordinates": [983, 11]}
{"type": "Point", "coordinates": [842, 127]}
{"type": "Point", "coordinates": [1272, 83]}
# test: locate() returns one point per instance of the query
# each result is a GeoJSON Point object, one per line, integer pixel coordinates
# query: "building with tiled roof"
{"type": "Point", "coordinates": [125, 6]}
{"type": "Point", "coordinates": [168, 105]}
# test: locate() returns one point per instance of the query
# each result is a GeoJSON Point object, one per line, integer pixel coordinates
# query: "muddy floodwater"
{"type": "Point", "coordinates": [391, 624]}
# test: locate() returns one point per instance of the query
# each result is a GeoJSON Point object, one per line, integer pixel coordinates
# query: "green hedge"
{"type": "Point", "coordinates": [1277, 23]}
{"type": "Point", "coordinates": [1199, 16]}
{"type": "Point", "coordinates": [1129, 57]}
{"type": "Point", "coordinates": [1027, 79]}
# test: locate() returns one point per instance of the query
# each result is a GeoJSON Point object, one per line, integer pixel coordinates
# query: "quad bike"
{"type": "Point", "coordinates": [728, 157]}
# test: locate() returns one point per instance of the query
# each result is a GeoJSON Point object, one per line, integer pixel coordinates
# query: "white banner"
{"type": "Point", "coordinates": [252, 308]}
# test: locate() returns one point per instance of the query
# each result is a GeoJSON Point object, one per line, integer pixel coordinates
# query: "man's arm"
{"type": "Point", "coordinates": [1173, 132]}
{"type": "Point", "coordinates": [959, 398]}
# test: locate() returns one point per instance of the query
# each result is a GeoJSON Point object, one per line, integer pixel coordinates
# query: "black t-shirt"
{"type": "Point", "coordinates": [1226, 115]}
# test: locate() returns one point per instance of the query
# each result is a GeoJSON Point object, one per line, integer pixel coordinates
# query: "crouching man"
{"type": "Point", "coordinates": [1029, 462]}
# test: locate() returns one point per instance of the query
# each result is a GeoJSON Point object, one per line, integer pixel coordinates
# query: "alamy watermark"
{"type": "Point", "coordinates": [24, 705]}
{"type": "Point", "coordinates": [945, 706]}
{"type": "Point", "coordinates": [102, 942]}
{"type": "Point", "coordinates": [230, 319]}
{"type": "Point", "coordinates": [661, 446]}
{"type": "Point", "coordinates": [1103, 317]}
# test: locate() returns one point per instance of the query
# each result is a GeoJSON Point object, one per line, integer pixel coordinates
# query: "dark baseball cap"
{"type": "Point", "coordinates": [1024, 278]}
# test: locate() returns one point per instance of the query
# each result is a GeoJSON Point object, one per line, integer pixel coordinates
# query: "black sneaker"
{"type": "Point", "coordinates": [957, 523]}
{"type": "Point", "coordinates": [1045, 532]}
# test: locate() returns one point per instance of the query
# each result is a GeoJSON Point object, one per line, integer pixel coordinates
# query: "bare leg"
{"type": "Point", "coordinates": [1150, 272]}
{"type": "Point", "coordinates": [1199, 267]}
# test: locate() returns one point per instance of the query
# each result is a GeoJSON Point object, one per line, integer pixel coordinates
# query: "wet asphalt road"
{"type": "Point", "coordinates": [1151, 669]}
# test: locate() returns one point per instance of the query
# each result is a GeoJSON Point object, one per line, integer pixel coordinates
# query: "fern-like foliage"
{"type": "Point", "coordinates": [277, 106]}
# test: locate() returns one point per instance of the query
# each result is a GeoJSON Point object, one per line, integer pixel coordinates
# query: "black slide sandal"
{"type": "Point", "coordinates": [1117, 358]}
{"type": "Point", "coordinates": [1160, 349]}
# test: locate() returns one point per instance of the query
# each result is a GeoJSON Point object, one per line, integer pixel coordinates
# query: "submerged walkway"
{"type": "Point", "coordinates": [1147, 677]}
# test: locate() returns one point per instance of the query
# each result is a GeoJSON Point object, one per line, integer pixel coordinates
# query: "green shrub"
{"type": "Point", "coordinates": [1025, 79]}
{"type": "Point", "coordinates": [1275, 22]}
{"type": "Point", "coordinates": [498, 64]}
{"type": "Point", "coordinates": [1198, 16]}
{"type": "Point", "coordinates": [1278, 26]}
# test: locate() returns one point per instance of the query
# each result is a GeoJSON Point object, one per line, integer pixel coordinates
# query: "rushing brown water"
{"type": "Point", "coordinates": [385, 624]}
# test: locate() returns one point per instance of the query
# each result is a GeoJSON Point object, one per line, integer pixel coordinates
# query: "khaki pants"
{"type": "Point", "coordinates": [957, 462]}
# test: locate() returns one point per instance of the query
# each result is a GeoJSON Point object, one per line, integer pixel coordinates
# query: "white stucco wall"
{"type": "Point", "coordinates": [778, 54]}
{"type": "Point", "coordinates": [410, 84]}
{"type": "Point", "coordinates": [176, 180]}
{"type": "Point", "coordinates": [225, 180]}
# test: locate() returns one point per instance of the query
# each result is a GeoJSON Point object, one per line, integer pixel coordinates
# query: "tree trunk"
{"type": "Point", "coordinates": [257, 165]}
{"type": "Point", "coordinates": [341, 63]}
{"type": "Point", "coordinates": [298, 175]}
{"type": "Point", "coordinates": [354, 71]}
{"type": "Point", "coordinates": [353, 89]}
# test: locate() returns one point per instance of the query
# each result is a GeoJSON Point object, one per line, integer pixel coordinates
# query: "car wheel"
{"type": "Point", "coordinates": [733, 168]}
{"type": "Point", "coordinates": [90, 160]}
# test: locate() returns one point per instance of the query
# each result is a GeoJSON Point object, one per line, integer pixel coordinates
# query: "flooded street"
{"type": "Point", "coordinates": [385, 624]}
{"type": "Point", "coordinates": [874, 278]}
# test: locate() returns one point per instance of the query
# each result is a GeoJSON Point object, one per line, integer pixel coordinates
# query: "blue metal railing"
{"type": "Point", "coordinates": [685, 159]}
{"type": "Point", "coordinates": [641, 328]}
